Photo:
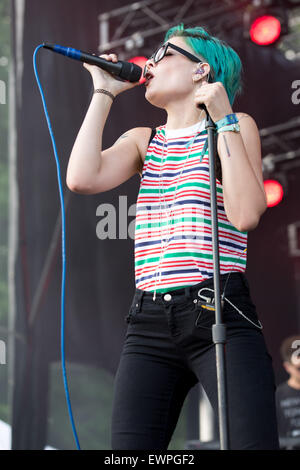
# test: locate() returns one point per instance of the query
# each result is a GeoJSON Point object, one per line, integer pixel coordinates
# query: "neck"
{"type": "Point", "coordinates": [293, 383]}
{"type": "Point", "coordinates": [180, 116]}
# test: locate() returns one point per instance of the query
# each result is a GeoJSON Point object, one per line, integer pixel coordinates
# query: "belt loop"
{"type": "Point", "coordinates": [187, 292]}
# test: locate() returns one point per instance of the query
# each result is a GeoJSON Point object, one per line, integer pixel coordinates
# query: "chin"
{"type": "Point", "coordinates": [154, 100]}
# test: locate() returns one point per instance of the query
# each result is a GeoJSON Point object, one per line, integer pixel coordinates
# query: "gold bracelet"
{"type": "Point", "coordinates": [108, 93]}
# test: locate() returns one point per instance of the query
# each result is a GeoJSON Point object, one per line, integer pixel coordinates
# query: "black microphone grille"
{"type": "Point", "coordinates": [130, 72]}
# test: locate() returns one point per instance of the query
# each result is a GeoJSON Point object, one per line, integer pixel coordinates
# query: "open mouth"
{"type": "Point", "coordinates": [148, 77]}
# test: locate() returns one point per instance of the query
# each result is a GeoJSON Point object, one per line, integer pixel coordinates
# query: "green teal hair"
{"type": "Point", "coordinates": [225, 64]}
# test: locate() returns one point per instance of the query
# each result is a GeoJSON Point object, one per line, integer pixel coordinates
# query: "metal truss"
{"type": "Point", "coordinates": [293, 233]}
{"type": "Point", "coordinates": [281, 146]}
{"type": "Point", "coordinates": [290, 43]}
{"type": "Point", "coordinates": [128, 29]}
{"type": "Point", "coordinates": [135, 27]}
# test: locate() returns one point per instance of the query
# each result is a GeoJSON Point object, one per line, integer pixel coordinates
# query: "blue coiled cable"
{"type": "Point", "coordinates": [63, 251]}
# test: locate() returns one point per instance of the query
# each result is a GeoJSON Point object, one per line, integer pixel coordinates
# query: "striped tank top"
{"type": "Point", "coordinates": [173, 225]}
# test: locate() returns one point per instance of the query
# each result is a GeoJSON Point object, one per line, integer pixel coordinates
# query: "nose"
{"type": "Point", "coordinates": [147, 64]}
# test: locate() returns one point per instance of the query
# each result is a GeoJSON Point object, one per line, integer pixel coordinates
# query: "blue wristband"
{"type": "Point", "coordinates": [231, 127]}
{"type": "Point", "coordinates": [227, 120]}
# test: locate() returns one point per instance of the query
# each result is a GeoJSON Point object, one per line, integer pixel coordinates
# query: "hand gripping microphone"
{"type": "Point", "coordinates": [124, 70]}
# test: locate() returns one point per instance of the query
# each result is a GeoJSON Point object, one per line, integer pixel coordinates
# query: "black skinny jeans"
{"type": "Point", "coordinates": [169, 348]}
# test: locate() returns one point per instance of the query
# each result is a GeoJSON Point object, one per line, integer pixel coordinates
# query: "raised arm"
{"type": "Point", "coordinates": [91, 170]}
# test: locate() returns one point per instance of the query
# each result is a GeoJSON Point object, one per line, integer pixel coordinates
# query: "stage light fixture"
{"type": "Point", "coordinates": [265, 30]}
{"type": "Point", "coordinates": [141, 61]}
{"type": "Point", "coordinates": [274, 192]}
{"type": "Point", "coordinates": [265, 25]}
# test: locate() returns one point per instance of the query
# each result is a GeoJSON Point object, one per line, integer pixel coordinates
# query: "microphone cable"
{"type": "Point", "coordinates": [63, 251]}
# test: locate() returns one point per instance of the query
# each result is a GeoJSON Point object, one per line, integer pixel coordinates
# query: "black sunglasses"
{"type": "Point", "coordinates": [162, 50]}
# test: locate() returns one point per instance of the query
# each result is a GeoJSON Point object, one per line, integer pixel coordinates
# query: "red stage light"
{"type": "Point", "coordinates": [265, 30]}
{"type": "Point", "coordinates": [274, 192]}
{"type": "Point", "coordinates": [141, 61]}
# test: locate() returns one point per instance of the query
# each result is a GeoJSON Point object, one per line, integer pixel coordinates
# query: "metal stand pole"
{"type": "Point", "coordinates": [219, 328]}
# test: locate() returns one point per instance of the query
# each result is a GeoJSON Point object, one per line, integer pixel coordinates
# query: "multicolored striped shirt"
{"type": "Point", "coordinates": [173, 228]}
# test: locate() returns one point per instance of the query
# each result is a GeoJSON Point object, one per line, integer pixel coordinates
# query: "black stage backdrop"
{"type": "Point", "coordinates": [100, 272]}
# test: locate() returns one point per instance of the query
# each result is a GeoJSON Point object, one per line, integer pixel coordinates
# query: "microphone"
{"type": "Point", "coordinates": [124, 70]}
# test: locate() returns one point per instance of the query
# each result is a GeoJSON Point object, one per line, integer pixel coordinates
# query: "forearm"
{"type": "Point", "coordinates": [85, 158]}
{"type": "Point", "coordinates": [244, 198]}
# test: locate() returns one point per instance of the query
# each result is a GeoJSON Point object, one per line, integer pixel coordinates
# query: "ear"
{"type": "Point", "coordinates": [200, 71]}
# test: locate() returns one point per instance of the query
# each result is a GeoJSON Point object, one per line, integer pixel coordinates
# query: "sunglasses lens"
{"type": "Point", "coordinates": [159, 53]}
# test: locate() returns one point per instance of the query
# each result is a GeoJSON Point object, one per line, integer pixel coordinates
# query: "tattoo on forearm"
{"type": "Point", "coordinates": [243, 116]}
{"type": "Point", "coordinates": [122, 137]}
{"type": "Point", "coordinates": [226, 145]}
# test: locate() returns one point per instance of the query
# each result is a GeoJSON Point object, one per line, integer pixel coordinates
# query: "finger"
{"type": "Point", "coordinates": [199, 101]}
{"type": "Point", "coordinates": [200, 93]}
{"type": "Point", "coordinates": [112, 57]}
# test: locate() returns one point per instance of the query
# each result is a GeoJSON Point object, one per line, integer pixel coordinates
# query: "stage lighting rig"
{"type": "Point", "coordinates": [265, 21]}
{"type": "Point", "coordinates": [139, 26]}
{"type": "Point", "coordinates": [275, 189]}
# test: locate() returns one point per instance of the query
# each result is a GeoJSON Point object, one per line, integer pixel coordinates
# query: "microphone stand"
{"type": "Point", "coordinates": [219, 328]}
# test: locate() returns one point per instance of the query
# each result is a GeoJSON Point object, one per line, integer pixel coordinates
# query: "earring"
{"type": "Point", "coordinates": [200, 71]}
